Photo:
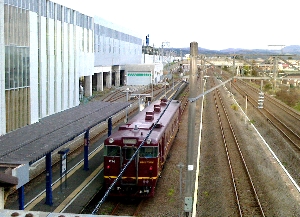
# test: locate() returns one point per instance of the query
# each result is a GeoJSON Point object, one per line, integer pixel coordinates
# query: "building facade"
{"type": "Point", "coordinates": [114, 46]}
{"type": "Point", "coordinates": [45, 48]}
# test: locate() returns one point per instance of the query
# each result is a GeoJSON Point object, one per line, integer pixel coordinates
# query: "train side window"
{"type": "Point", "coordinates": [111, 151]}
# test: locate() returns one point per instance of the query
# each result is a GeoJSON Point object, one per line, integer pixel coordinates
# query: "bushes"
{"type": "Point", "coordinates": [290, 96]}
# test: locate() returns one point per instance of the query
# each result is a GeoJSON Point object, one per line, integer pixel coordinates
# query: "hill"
{"type": "Point", "coordinates": [291, 50]}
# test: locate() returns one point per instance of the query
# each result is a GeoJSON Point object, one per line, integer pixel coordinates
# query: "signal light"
{"type": "Point", "coordinates": [261, 100]}
{"type": "Point", "coordinates": [150, 168]}
{"type": "Point", "coordinates": [108, 167]}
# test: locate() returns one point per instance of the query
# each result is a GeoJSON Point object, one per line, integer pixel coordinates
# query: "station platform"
{"type": "Point", "coordinates": [19, 213]}
{"type": "Point", "coordinates": [74, 122]}
{"type": "Point", "coordinates": [67, 186]}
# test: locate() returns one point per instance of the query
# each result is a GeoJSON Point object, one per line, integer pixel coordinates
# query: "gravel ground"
{"type": "Point", "coordinates": [170, 191]}
{"type": "Point", "coordinates": [167, 200]}
{"type": "Point", "coordinates": [277, 195]}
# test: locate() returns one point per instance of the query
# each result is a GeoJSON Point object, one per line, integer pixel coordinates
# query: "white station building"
{"type": "Point", "coordinates": [47, 51]}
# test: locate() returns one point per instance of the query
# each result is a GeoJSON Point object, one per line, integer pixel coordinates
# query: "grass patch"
{"type": "Point", "coordinates": [234, 107]}
{"type": "Point", "coordinates": [171, 192]}
{"type": "Point", "coordinates": [106, 210]}
{"type": "Point", "coordinates": [297, 106]}
{"type": "Point", "coordinates": [284, 164]}
{"type": "Point", "coordinates": [252, 121]}
{"type": "Point", "coordinates": [205, 193]}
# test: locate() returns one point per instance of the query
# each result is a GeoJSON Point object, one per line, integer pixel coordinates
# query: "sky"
{"type": "Point", "coordinates": [213, 24]}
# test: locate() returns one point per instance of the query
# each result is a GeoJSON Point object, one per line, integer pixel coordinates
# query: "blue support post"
{"type": "Point", "coordinates": [63, 166]}
{"type": "Point", "coordinates": [21, 197]}
{"type": "Point", "coordinates": [48, 180]}
{"type": "Point", "coordinates": [86, 149]}
{"type": "Point", "coordinates": [109, 125]}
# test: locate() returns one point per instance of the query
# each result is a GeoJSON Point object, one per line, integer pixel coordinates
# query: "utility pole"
{"type": "Point", "coordinates": [275, 64]}
{"type": "Point", "coordinates": [126, 91]}
{"type": "Point", "coordinates": [191, 129]}
{"type": "Point", "coordinates": [144, 51]}
{"type": "Point", "coordinates": [153, 54]}
{"type": "Point", "coordinates": [233, 65]}
{"type": "Point", "coordinates": [275, 70]}
{"type": "Point", "coordinates": [181, 58]}
{"type": "Point", "coordinates": [164, 44]}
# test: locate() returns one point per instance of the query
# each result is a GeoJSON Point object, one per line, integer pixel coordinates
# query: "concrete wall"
{"type": "Point", "coordinates": [155, 69]}
{"type": "Point", "coordinates": [148, 59]}
{"type": "Point", "coordinates": [34, 76]}
{"type": "Point", "coordinates": [66, 53]}
{"type": "Point", "coordinates": [115, 45]}
{"type": "Point", "coordinates": [61, 51]}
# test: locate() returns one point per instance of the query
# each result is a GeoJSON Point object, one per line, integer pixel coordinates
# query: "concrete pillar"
{"type": "Point", "coordinates": [1, 198]}
{"type": "Point", "coordinates": [191, 129]}
{"type": "Point", "coordinates": [108, 80]}
{"type": "Point", "coordinates": [99, 77]}
{"type": "Point", "coordinates": [88, 86]}
{"type": "Point", "coordinates": [117, 81]}
{"type": "Point", "coordinates": [116, 69]}
{"type": "Point", "coordinates": [2, 72]}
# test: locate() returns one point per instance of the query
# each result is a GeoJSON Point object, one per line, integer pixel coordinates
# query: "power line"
{"type": "Point", "coordinates": [131, 159]}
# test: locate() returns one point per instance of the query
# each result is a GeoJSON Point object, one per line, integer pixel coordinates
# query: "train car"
{"type": "Point", "coordinates": [142, 171]}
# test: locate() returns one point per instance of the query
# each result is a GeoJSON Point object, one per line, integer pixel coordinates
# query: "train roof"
{"type": "Point", "coordinates": [142, 123]}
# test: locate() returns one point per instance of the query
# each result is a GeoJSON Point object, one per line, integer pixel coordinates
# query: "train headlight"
{"type": "Point", "coordinates": [148, 141]}
{"type": "Point", "coordinates": [111, 140]}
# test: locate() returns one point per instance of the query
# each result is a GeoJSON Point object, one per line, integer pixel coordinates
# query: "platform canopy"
{"type": "Point", "coordinates": [7, 180]}
{"type": "Point", "coordinates": [32, 142]}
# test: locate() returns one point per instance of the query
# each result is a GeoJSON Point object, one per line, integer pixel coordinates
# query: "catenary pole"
{"type": "Point", "coordinates": [191, 128]}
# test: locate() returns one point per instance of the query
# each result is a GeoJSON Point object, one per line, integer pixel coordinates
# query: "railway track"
{"type": "Point", "coordinates": [99, 132]}
{"type": "Point", "coordinates": [127, 208]}
{"type": "Point", "coordinates": [286, 113]}
{"type": "Point", "coordinates": [105, 207]}
{"type": "Point", "coordinates": [247, 199]}
{"type": "Point", "coordinates": [120, 95]}
{"type": "Point", "coordinates": [283, 118]}
{"type": "Point", "coordinates": [267, 158]}
{"type": "Point", "coordinates": [114, 96]}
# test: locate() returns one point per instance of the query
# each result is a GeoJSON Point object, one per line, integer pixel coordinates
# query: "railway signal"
{"type": "Point", "coordinates": [261, 100]}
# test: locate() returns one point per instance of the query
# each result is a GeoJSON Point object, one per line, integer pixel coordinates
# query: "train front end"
{"type": "Point", "coordinates": [138, 166]}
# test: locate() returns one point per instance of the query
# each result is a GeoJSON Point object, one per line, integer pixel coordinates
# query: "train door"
{"type": "Point", "coordinates": [162, 149]}
{"type": "Point", "coordinates": [130, 175]}
{"type": "Point", "coordinates": [160, 155]}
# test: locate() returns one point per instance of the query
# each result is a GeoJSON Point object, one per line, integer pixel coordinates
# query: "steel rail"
{"type": "Point", "coordinates": [241, 156]}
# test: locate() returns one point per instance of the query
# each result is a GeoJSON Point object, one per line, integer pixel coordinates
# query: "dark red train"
{"type": "Point", "coordinates": [140, 176]}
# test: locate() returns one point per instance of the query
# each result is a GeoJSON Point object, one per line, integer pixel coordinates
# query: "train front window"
{"type": "Point", "coordinates": [148, 152]}
{"type": "Point", "coordinates": [128, 152]}
{"type": "Point", "coordinates": [112, 151]}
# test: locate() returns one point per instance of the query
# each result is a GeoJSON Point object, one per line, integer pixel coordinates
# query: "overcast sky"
{"type": "Point", "coordinates": [214, 24]}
